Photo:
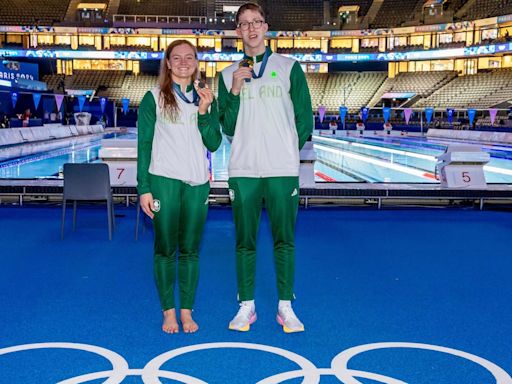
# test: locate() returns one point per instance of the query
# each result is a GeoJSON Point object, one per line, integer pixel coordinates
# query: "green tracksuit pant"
{"type": "Point", "coordinates": [281, 197]}
{"type": "Point", "coordinates": [178, 226]}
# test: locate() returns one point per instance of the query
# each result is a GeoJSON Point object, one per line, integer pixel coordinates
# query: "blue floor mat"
{"type": "Point", "coordinates": [417, 295]}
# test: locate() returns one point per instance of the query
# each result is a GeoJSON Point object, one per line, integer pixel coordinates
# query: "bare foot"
{"type": "Point", "coordinates": [170, 325]}
{"type": "Point", "coordinates": [189, 325]}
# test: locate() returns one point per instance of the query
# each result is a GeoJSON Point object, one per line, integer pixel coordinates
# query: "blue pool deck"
{"type": "Point", "coordinates": [416, 296]}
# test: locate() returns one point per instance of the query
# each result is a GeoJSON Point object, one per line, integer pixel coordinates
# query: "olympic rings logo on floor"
{"type": "Point", "coordinates": [151, 373]}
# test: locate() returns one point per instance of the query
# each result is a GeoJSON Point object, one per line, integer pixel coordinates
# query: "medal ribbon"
{"type": "Point", "coordinates": [182, 96]}
{"type": "Point", "coordinates": [263, 65]}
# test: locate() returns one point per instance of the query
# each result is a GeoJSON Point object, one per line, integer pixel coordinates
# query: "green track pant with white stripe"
{"type": "Point", "coordinates": [178, 226]}
{"type": "Point", "coordinates": [281, 197]}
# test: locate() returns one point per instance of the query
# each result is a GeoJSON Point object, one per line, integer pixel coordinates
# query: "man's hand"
{"type": "Point", "coordinates": [239, 77]}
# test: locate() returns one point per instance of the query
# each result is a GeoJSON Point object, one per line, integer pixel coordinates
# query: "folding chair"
{"type": "Point", "coordinates": [87, 182]}
{"type": "Point", "coordinates": [137, 220]}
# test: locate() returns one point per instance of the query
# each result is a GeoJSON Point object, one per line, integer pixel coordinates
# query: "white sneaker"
{"type": "Point", "coordinates": [289, 320]}
{"type": "Point", "coordinates": [244, 318]}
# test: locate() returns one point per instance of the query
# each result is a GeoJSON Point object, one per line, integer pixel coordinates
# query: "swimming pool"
{"type": "Point", "coordinates": [397, 160]}
{"type": "Point", "coordinates": [375, 159]}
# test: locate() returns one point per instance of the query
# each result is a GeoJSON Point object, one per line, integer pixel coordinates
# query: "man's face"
{"type": "Point", "coordinates": [252, 28]}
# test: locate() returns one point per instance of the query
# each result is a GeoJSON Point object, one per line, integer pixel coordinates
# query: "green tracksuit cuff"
{"type": "Point", "coordinates": [234, 98]}
{"type": "Point", "coordinates": [203, 121]}
{"type": "Point", "coordinates": [143, 189]}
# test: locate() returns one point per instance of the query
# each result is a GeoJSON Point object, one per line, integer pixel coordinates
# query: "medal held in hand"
{"type": "Point", "coordinates": [246, 63]}
{"type": "Point", "coordinates": [201, 80]}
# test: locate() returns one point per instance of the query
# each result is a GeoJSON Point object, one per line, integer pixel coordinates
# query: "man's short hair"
{"type": "Point", "coordinates": [249, 6]}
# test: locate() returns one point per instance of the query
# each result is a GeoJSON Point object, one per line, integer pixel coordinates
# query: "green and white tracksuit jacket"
{"type": "Point", "coordinates": [172, 165]}
{"type": "Point", "coordinates": [269, 121]}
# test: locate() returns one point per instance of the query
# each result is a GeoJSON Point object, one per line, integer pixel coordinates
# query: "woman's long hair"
{"type": "Point", "coordinates": [167, 100]}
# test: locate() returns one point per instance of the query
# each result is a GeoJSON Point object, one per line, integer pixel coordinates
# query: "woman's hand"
{"type": "Point", "coordinates": [206, 97]}
{"type": "Point", "coordinates": [147, 204]}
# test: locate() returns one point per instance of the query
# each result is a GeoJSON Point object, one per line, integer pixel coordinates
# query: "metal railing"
{"type": "Point", "coordinates": [160, 19]}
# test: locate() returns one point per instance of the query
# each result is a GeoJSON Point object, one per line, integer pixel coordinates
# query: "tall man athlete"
{"type": "Point", "coordinates": [265, 105]}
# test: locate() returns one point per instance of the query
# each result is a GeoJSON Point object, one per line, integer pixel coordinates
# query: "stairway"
{"type": "Point", "coordinates": [71, 11]}
{"type": "Point", "coordinates": [461, 12]}
{"type": "Point", "coordinates": [372, 13]}
{"type": "Point", "coordinates": [113, 8]}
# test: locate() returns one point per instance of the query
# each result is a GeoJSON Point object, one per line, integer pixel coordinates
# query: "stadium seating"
{"type": "Point", "coordinates": [386, 86]}
{"type": "Point", "coordinates": [326, 89]}
{"type": "Point", "coordinates": [289, 51]}
{"type": "Point", "coordinates": [352, 89]}
{"type": "Point", "coordinates": [87, 79]}
{"type": "Point", "coordinates": [420, 83]}
{"type": "Point", "coordinates": [52, 81]}
{"type": "Point", "coordinates": [135, 48]}
{"type": "Point", "coordinates": [134, 87]}
{"type": "Point", "coordinates": [163, 7]}
{"type": "Point", "coordinates": [405, 48]}
{"type": "Point", "coordinates": [364, 5]}
{"type": "Point", "coordinates": [281, 15]}
{"type": "Point", "coordinates": [393, 13]}
{"type": "Point", "coordinates": [455, 5]}
{"type": "Point", "coordinates": [27, 12]}
{"type": "Point", "coordinates": [94, 79]}
{"type": "Point", "coordinates": [486, 8]}
{"type": "Point", "coordinates": [454, 44]}
{"type": "Point", "coordinates": [340, 50]}
{"type": "Point", "coordinates": [483, 90]}
{"type": "Point", "coordinates": [294, 15]}
{"type": "Point", "coordinates": [317, 83]}
{"type": "Point", "coordinates": [54, 46]}
{"type": "Point", "coordinates": [440, 89]}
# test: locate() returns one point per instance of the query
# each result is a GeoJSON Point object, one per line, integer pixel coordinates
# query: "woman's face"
{"type": "Point", "coordinates": [182, 62]}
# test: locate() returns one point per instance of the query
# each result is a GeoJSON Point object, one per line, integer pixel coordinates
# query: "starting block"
{"type": "Point", "coordinates": [307, 165]}
{"type": "Point", "coordinates": [121, 157]}
{"type": "Point", "coordinates": [462, 166]}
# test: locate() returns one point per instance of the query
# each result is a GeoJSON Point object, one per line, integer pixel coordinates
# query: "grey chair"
{"type": "Point", "coordinates": [137, 219]}
{"type": "Point", "coordinates": [87, 182]}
